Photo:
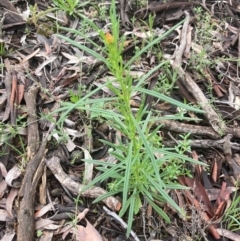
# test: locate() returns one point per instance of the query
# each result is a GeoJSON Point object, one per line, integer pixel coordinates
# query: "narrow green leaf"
{"type": "Point", "coordinates": [130, 213]}
{"type": "Point", "coordinates": [148, 74]}
{"type": "Point", "coordinates": [148, 150]}
{"type": "Point", "coordinates": [168, 99]}
{"type": "Point", "coordinates": [159, 210]}
{"type": "Point", "coordinates": [103, 176]}
{"type": "Point", "coordinates": [155, 41]}
{"type": "Point", "coordinates": [145, 193]}
{"type": "Point", "coordinates": [84, 48]}
{"type": "Point", "coordinates": [100, 163]}
{"type": "Point", "coordinates": [128, 163]}
{"type": "Point", "coordinates": [108, 194]}
{"type": "Point", "coordinates": [163, 193]}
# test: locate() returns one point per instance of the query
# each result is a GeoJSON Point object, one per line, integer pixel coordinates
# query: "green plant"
{"type": "Point", "coordinates": [10, 133]}
{"type": "Point", "coordinates": [232, 215]}
{"type": "Point", "coordinates": [2, 48]}
{"type": "Point", "coordinates": [142, 159]}
{"type": "Point", "coordinates": [75, 97]}
{"type": "Point", "coordinates": [36, 15]}
{"type": "Point", "coordinates": [166, 80]}
{"type": "Point", "coordinates": [39, 233]}
{"type": "Point", "coordinates": [69, 6]}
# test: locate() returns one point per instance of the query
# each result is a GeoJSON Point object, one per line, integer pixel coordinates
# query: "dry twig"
{"type": "Point", "coordinates": [93, 192]}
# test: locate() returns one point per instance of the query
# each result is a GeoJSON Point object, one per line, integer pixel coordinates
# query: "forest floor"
{"type": "Point", "coordinates": [133, 103]}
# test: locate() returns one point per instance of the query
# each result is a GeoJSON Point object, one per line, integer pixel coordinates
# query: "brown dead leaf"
{"type": "Point", "coordinates": [66, 230]}
{"type": "Point", "coordinates": [20, 92]}
{"type": "Point", "coordinates": [88, 233]}
{"type": "Point", "coordinates": [30, 56]}
{"type": "Point", "coordinates": [82, 214]}
{"type": "Point", "coordinates": [41, 66]}
{"type": "Point", "coordinates": [43, 210]}
{"type": "Point", "coordinates": [13, 174]}
{"type": "Point", "coordinates": [4, 216]}
{"type": "Point", "coordinates": [3, 170]}
{"type": "Point", "coordinates": [10, 199]}
{"type": "Point", "coordinates": [3, 188]}
{"type": "Point", "coordinates": [220, 204]}
{"type": "Point", "coordinates": [46, 224]}
{"type": "Point", "coordinates": [214, 171]}
{"type": "Point", "coordinates": [199, 192]}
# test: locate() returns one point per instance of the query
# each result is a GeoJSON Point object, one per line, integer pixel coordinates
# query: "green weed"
{"type": "Point", "coordinates": [2, 48]}
{"type": "Point", "coordinates": [69, 6]}
{"type": "Point", "coordinates": [232, 215]}
{"type": "Point", "coordinates": [144, 164]}
{"type": "Point", "coordinates": [37, 15]}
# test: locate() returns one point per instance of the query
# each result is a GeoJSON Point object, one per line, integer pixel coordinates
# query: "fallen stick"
{"type": "Point", "coordinates": [33, 133]}
{"type": "Point", "coordinates": [26, 222]}
{"type": "Point", "coordinates": [74, 187]}
{"type": "Point", "coordinates": [180, 127]}
{"type": "Point", "coordinates": [191, 85]}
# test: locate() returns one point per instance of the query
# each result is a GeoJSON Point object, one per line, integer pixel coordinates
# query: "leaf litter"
{"type": "Point", "coordinates": [39, 71]}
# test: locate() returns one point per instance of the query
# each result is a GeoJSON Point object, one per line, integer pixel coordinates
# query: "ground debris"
{"type": "Point", "coordinates": [60, 112]}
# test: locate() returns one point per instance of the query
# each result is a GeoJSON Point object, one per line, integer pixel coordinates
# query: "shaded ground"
{"type": "Point", "coordinates": [41, 163]}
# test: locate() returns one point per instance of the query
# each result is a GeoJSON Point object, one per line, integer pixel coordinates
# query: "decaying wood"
{"type": "Point", "coordinates": [33, 133]}
{"type": "Point", "coordinates": [214, 120]}
{"type": "Point", "coordinates": [207, 143]}
{"type": "Point", "coordinates": [192, 87]}
{"type": "Point", "coordinates": [94, 192]}
{"type": "Point", "coordinates": [186, 128]}
{"type": "Point", "coordinates": [195, 129]}
{"type": "Point", "coordinates": [26, 224]}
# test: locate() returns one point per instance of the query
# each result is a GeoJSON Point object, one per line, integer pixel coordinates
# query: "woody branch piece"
{"type": "Point", "coordinates": [186, 128]}
{"type": "Point", "coordinates": [33, 134]}
{"type": "Point", "coordinates": [207, 143]}
{"type": "Point", "coordinates": [26, 223]}
{"type": "Point", "coordinates": [93, 192]}
{"type": "Point", "coordinates": [191, 85]}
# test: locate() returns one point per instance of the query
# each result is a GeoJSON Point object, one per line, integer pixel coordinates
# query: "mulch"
{"type": "Point", "coordinates": [39, 182]}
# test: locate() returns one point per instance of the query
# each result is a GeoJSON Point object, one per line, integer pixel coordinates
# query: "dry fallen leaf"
{"type": "Point", "coordinates": [10, 199]}
{"type": "Point", "coordinates": [88, 233]}
{"type": "Point", "coordinates": [13, 174]}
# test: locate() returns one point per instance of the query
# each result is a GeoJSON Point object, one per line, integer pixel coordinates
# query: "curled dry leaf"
{"type": "Point", "coordinates": [3, 188]}
{"type": "Point", "coordinates": [44, 210]}
{"type": "Point", "coordinates": [82, 214]}
{"type": "Point", "coordinates": [3, 169]}
{"type": "Point", "coordinates": [13, 174]}
{"type": "Point", "coordinates": [88, 233]}
{"type": "Point", "coordinates": [4, 216]}
{"type": "Point", "coordinates": [88, 174]}
{"type": "Point", "coordinates": [10, 199]}
{"type": "Point", "coordinates": [46, 224]}
{"type": "Point", "coordinates": [41, 66]}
